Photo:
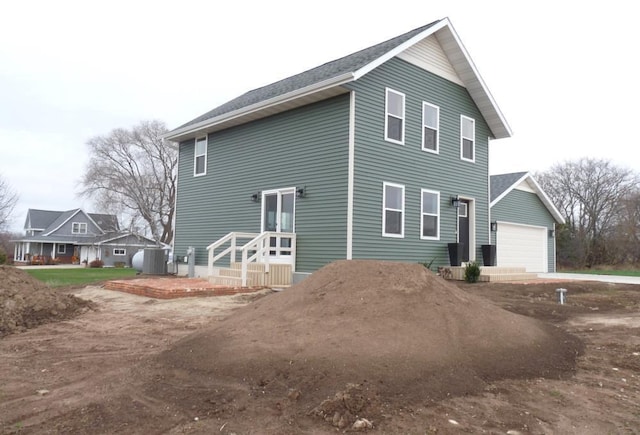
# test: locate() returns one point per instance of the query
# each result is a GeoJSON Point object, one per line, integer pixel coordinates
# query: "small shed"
{"type": "Point", "coordinates": [523, 220]}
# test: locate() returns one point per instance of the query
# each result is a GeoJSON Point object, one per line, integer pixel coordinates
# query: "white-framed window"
{"type": "Point", "coordinates": [463, 211]}
{"type": "Point", "coordinates": [200, 156]}
{"type": "Point", "coordinates": [394, 117]}
{"type": "Point", "coordinates": [119, 251]}
{"type": "Point", "coordinates": [62, 249]}
{"type": "Point", "coordinates": [429, 214]}
{"type": "Point", "coordinates": [467, 138]}
{"type": "Point", "coordinates": [392, 210]}
{"type": "Point", "coordinates": [430, 127]}
{"type": "Point", "coordinates": [79, 228]}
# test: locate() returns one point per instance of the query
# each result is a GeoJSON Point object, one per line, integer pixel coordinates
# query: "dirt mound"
{"type": "Point", "coordinates": [395, 331]}
{"type": "Point", "coordinates": [26, 302]}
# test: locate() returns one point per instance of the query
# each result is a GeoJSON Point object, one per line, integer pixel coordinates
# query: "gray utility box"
{"type": "Point", "coordinates": [154, 261]}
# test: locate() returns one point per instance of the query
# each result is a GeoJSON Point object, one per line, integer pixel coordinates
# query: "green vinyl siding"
{"type": "Point", "coordinates": [525, 208]}
{"type": "Point", "coordinates": [307, 146]}
{"type": "Point", "coordinates": [378, 161]}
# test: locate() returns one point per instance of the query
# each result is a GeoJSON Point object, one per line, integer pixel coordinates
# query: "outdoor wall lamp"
{"type": "Point", "coordinates": [494, 226]}
{"type": "Point", "coordinates": [255, 197]}
{"type": "Point", "coordinates": [552, 234]}
{"type": "Point", "coordinates": [455, 201]}
{"type": "Point", "coordinates": [301, 192]}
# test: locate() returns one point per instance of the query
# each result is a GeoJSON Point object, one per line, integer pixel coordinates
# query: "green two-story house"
{"type": "Point", "coordinates": [382, 154]}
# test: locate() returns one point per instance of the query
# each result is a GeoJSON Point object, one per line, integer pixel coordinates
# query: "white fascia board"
{"type": "Point", "coordinates": [63, 222]}
{"type": "Point", "coordinates": [471, 77]}
{"type": "Point", "coordinates": [400, 48]}
{"type": "Point", "coordinates": [478, 78]}
{"type": "Point", "coordinates": [541, 194]}
{"type": "Point", "coordinates": [547, 201]}
{"type": "Point", "coordinates": [506, 191]}
{"type": "Point", "coordinates": [280, 99]}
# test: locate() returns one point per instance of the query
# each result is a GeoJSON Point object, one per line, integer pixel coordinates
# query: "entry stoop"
{"type": "Point", "coordinates": [279, 275]}
{"type": "Point", "coordinates": [495, 274]}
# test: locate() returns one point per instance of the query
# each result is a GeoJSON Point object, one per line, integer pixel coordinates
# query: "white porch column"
{"type": "Point", "coordinates": [53, 251]}
{"type": "Point", "coordinates": [15, 251]}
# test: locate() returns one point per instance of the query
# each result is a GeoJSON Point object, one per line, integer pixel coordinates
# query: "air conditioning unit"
{"type": "Point", "coordinates": [154, 261]}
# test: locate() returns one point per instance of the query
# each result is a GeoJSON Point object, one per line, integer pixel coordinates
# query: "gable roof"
{"type": "Point", "coordinates": [49, 221]}
{"type": "Point", "coordinates": [502, 184]}
{"type": "Point", "coordinates": [325, 81]}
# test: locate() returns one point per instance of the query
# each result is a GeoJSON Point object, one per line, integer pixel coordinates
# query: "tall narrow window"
{"type": "Point", "coordinates": [393, 210]}
{"type": "Point", "coordinates": [430, 127]}
{"type": "Point", "coordinates": [430, 215]}
{"type": "Point", "coordinates": [467, 138]}
{"type": "Point", "coordinates": [200, 160]}
{"type": "Point", "coordinates": [394, 121]}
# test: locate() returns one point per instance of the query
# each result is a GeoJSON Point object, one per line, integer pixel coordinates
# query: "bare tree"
{"type": "Point", "coordinates": [589, 192]}
{"type": "Point", "coordinates": [133, 171]}
{"type": "Point", "coordinates": [8, 201]}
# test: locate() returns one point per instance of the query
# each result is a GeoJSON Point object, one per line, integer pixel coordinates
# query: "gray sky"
{"type": "Point", "coordinates": [564, 73]}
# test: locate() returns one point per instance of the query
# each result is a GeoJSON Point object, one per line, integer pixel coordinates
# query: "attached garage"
{"type": "Point", "coordinates": [524, 221]}
{"type": "Point", "coordinates": [522, 246]}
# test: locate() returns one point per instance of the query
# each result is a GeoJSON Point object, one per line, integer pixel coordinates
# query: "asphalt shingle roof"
{"type": "Point", "coordinates": [329, 70]}
{"type": "Point", "coordinates": [500, 183]}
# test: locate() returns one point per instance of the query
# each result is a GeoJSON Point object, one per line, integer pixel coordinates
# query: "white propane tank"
{"type": "Point", "coordinates": [138, 260]}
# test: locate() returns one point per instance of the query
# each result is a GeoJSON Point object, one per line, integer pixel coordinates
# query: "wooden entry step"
{"type": "Point", "coordinates": [494, 274]}
{"type": "Point", "coordinates": [279, 275]}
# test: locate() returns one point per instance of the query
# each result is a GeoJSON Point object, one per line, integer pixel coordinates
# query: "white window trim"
{"type": "Point", "coordinates": [437, 150]}
{"type": "Point", "coordinates": [384, 209]}
{"type": "Point", "coordinates": [61, 249]}
{"type": "Point", "coordinates": [437, 237]}
{"type": "Point", "coordinates": [387, 114]}
{"type": "Point", "coordinates": [195, 155]}
{"type": "Point", "coordinates": [124, 251]}
{"type": "Point", "coordinates": [473, 123]}
{"type": "Point", "coordinates": [80, 226]}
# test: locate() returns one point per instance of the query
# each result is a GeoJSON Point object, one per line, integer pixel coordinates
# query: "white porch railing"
{"type": "Point", "coordinates": [257, 249]}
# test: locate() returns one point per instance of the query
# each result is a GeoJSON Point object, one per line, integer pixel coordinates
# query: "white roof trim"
{"type": "Point", "coordinates": [538, 190]}
{"type": "Point", "coordinates": [280, 99]}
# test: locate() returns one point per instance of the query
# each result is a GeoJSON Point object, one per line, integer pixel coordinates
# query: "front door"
{"type": "Point", "coordinates": [278, 214]}
{"type": "Point", "coordinates": [463, 228]}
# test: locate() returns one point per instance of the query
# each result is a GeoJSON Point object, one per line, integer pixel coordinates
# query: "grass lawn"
{"type": "Point", "coordinates": [83, 276]}
{"type": "Point", "coordinates": [605, 272]}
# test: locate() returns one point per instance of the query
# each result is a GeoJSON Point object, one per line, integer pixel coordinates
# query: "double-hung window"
{"type": "Point", "coordinates": [79, 228]}
{"type": "Point", "coordinates": [394, 117]}
{"type": "Point", "coordinates": [200, 157]}
{"type": "Point", "coordinates": [393, 210]}
{"type": "Point", "coordinates": [430, 127]}
{"type": "Point", "coordinates": [467, 138]}
{"type": "Point", "coordinates": [62, 249]}
{"type": "Point", "coordinates": [119, 251]}
{"type": "Point", "coordinates": [430, 215]}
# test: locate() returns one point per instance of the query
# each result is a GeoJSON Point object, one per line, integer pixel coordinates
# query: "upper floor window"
{"type": "Point", "coordinates": [430, 127]}
{"type": "Point", "coordinates": [200, 159]}
{"type": "Point", "coordinates": [79, 228]}
{"type": "Point", "coordinates": [394, 118]}
{"type": "Point", "coordinates": [467, 138]}
{"type": "Point", "coordinates": [393, 210]}
{"type": "Point", "coordinates": [430, 215]}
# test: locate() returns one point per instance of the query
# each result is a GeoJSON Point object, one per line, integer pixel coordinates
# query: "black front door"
{"type": "Point", "coordinates": [463, 228]}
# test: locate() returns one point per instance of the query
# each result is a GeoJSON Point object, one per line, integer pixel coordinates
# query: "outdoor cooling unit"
{"type": "Point", "coordinates": [154, 261]}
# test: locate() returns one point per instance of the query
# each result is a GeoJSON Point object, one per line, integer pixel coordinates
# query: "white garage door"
{"type": "Point", "coordinates": [522, 246]}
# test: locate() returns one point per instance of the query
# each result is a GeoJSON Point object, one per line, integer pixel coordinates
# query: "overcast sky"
{"type": "Point", "coordinates": [565, 74]}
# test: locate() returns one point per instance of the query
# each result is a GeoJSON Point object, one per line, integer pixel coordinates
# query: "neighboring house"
{"type": "Point", "coordinates": [359, 158]}
{"type": "Point", "coordinates": [73, 236]}
{"type": "Point", "coordinates": [524, 221]}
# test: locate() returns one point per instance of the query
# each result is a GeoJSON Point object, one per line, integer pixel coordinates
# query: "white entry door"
{"type": "Point", "coordinates": [278, 215]}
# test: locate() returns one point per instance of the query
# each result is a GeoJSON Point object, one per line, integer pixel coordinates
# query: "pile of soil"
{"type": "Point", "coordinates": [26, 302]}
{"type": "Point", "coordinates": [350, 342]}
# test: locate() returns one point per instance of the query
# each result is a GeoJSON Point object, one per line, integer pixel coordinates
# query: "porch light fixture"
{"type": "Point", "coordinates": [552, 234]}
{"type": "Point", "coordinates": [255, 197]}
{"type": "Point", "coordinates": [301, 192]}
{"type": "Point", "coordinates": [455, 201]}
{"type": "Point", "coordinates": [494, 226]}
